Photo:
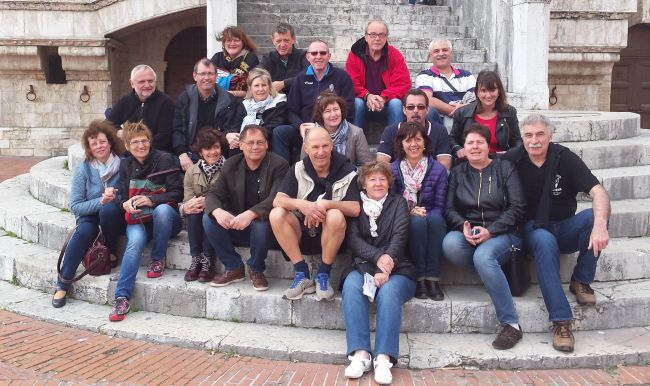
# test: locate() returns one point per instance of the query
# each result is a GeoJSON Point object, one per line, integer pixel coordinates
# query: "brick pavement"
{"type": "Point", "coordinates": [13, 166]}
{"type": "Point", "coordinates": [35, 352]}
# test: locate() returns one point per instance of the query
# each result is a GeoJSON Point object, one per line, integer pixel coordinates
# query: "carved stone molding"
{"type": "Point", "coordinates": [88, 5]}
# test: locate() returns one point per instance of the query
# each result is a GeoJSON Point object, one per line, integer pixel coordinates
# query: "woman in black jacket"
{"type": "Point", "coordinates": [377, 241]}
{"type": "Point", "coordinates": [485, 205]}
{"type": "Point", "coordinates": [491, 109]}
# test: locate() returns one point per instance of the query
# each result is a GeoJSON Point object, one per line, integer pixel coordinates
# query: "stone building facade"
{"type": "Point", "coordinates": [62, 63]}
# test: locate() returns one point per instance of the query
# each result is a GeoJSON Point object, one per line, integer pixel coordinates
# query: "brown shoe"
{"type": "Point", "coordinates": [563, 339]}
{"type": "Point", "coordinates": [195, 267]}
{"type": "Point", "coordinates": [507, 338]}
{"type": "Point", "coordinates": [207, 269]}
{"type": "Point", "coordinates": [259, 280]}
{"type": "Point", "coordinates": [228, 277]}
{"type": "Point", "coordinates": [584, 294]}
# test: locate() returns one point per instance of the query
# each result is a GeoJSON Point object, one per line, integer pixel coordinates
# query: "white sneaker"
{"type": "Point", "coordinates": [383, 375]}
{"type": "Point", "coordinates": [357, 367]}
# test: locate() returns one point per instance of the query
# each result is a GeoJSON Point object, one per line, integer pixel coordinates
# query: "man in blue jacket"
{"type": "Point", "coordinates": [320, 76]}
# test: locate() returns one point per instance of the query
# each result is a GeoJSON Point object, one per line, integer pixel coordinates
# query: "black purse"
{"type": "Point", "coordinates": [517, 270]}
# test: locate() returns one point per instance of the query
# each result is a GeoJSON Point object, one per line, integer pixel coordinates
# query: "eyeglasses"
{"type": "Point", "coordinates": [374, 35]}
{"type": "Point", "coordinates": [140, 142]}
{"type": "Point", "coordinates": [316, 53]}
{"type": "Point", "coordinates": [253, 143]}
{"type": "Point", "coordinates": [413, 107]}
{"type": "Point", "coordinates": [205, 74]}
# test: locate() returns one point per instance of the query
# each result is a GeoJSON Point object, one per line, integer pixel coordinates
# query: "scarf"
{"type": "Point", "coordinates": [211, 170]}
{"type": "Point", "coordinates": [339, 167]}
{"type": "Point", "coordinates": [108, 169]}
{"type": "Point", "coordinates": [372, 209]}
{"type": "Point", "coordinates": [340, 136]}
{"type": "Point", "coordinates": [254, 110]}
{"type": "Point", "coordinates": [413, 178]}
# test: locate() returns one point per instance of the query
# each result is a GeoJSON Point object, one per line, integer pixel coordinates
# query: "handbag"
{"type": "Point", "coordinates": [145, 187]}
{"type": "Point", "coordinates": [517, 271]}
{"type": "Point", "coordinates": [97, 260]}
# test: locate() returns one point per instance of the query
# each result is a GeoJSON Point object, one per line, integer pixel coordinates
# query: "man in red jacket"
{"type": "Point", "coordinates": [379, 74]}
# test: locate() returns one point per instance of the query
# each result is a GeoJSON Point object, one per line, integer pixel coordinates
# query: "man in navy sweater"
{"type": "Point", "coordinates": [320, 76]}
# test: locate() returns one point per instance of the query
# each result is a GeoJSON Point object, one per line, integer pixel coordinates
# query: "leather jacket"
{"type": "Point", "coordinates": [492, 198]}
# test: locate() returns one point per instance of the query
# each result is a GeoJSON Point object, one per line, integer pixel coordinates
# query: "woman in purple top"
{"type": "Point", "coordinates": [423, 182]}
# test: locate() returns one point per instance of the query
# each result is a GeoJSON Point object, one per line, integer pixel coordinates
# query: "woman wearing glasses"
{"type": "Point", "coordinates": [157, 173]}
{"type": "Point", "coordinates": [491, 109]}
{"type": "Point", "coordinates": [237, 58]}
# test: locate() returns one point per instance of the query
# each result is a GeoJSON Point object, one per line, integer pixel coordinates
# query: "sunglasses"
{"type": "Point", "coordinates": [316, 53]}
{"type": "Point", "coordinates": [413, 107]}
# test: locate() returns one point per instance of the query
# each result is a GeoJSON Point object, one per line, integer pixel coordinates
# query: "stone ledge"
{"type": "Point", "coordinates": [466, 309]}
{"type": "Point", "coordinates": [594, 349]}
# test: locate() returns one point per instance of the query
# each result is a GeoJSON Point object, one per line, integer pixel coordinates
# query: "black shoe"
{"type": "Point", "coordinates": [507, 338]}
{"type": "Point", "coordinates": [58, 303]}
{"type": "Point", "coordinates": [434, 291]}
{"type": "Point", "coordinates": [421, 290]}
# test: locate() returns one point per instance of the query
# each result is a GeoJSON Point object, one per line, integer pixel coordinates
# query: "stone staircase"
{"type": "Point", "coordinates": [456, 331]}
{"type": "Point", "coordinates": [341, 23]}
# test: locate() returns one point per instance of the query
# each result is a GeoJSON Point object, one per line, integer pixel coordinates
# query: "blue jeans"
{"type": "Point", "coordinates": [546, 245]}
{"type": "Point", "coordinates": [425, 244]}
{"type": "Point", "coordinates": [199, 242]}
{"type": "Point", "coordinates": [434, 116]}
{"type": "Point", "coordinates": [487, 259]}
{"type": "Point", "coordinates": [392, 112]}
{"type": "Point", "coordinates": [389, 300]}
{"type": "Point", "coordinates": [284, 139]}
{"type": "Point", "coordinates": [166, 224]}
{"type": "Point", "coordinates": [258, 236]}
{"type": "Point", "coordinates": [111, 219]}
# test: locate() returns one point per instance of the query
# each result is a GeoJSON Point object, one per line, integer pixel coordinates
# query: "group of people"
{"type": "Point", "coordinates": [470, 186]}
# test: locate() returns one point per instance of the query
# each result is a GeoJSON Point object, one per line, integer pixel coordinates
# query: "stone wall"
{"type": "Point", "coordinates": [586, 37]}
{"type": "Point", "coordinates": [642, 14]}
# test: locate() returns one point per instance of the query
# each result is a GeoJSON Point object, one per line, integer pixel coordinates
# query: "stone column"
{"type": "Point", "coordinates": [221, 13]}
{"type": "Point", "coordinates": [529, 55]}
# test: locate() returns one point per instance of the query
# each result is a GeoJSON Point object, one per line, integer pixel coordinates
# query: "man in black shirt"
{"type": "Point", "coordinates": [552, 176]}
{"type": "Point", "coordinates": [238, 205]}
{"type": "Point", "coordinates": [310, 210]}
{"type": "Point", "coordinates": [145, 102]}
{"type": "Point", "coordinates": [204, 104]}
{"type": "Point", "coordinates": [286, 61]}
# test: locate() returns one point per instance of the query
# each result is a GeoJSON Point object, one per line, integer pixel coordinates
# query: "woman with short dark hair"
{"type": "Point", "coordinates": [485, 206]}
{"type": "Point", "coordinates": [93, 201]}
{"type": "Point", "coordinates": [199, 178]}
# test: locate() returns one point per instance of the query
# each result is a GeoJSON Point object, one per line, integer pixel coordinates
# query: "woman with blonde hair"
{"type": "Point", "coordinates": [264, 105]}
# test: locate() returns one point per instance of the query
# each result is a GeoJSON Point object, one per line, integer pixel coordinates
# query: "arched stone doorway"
{"type": "Point", "coordinates": [631, 75]}
{"type": "Point", "coordinates": [183, 51]}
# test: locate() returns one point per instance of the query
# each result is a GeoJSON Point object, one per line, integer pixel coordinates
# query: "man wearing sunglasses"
{"type": "Point", "coordinates": [320, 76]}
{"type": "Point", "coordinates": [379, 74]}
{"type": "Point", "coordinates": [416, 107]}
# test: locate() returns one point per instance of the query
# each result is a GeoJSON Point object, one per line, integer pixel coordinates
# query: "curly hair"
{"type": "Point", "coordinates": [234, 32]}
{"type": "Point", "coordinates": [95, 128]}
{"type": "Point", "coordinates": [207, 137]}
{"type": "Point", "coordinates": [372, 167]}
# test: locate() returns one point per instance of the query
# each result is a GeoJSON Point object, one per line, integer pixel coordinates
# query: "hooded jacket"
{"type": "Point", "coordinates": [395, 74]}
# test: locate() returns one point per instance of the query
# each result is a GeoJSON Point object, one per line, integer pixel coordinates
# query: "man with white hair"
{"type": "Point", "coordinates": [448, 87]}
{"type": "Point", "coordinates": [551, 177]}
{"type": "Point", "coordinates": [145, 102]}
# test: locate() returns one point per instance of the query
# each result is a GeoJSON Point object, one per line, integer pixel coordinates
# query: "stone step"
{"type": "Point", "coordinates": [629, 218]}
{"type": "Point", "coordinates": [465, 308]}
{"type": "Point", "coordinates": [626, 183]}
{"type": "Point", "coordinates": [600, 348]}
{"type": "Point", "coordinates": [584, 126]}
{"type": "Point", "coordinates": [606, 154]}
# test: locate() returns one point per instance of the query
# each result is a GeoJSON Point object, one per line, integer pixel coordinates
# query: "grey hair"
{"type": "Point", "coordinates": [440, 40]}
{"type": "Point", "coordinates": [282, 28]}
{"type": "Point", "coordinates": [319, 41]}
{"type": "Point", "coordinates": [377, 21]}
{"type": "Point", "coordinates": [142, 67]}
{"type": "Point", "coordinates": [535, 118]}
